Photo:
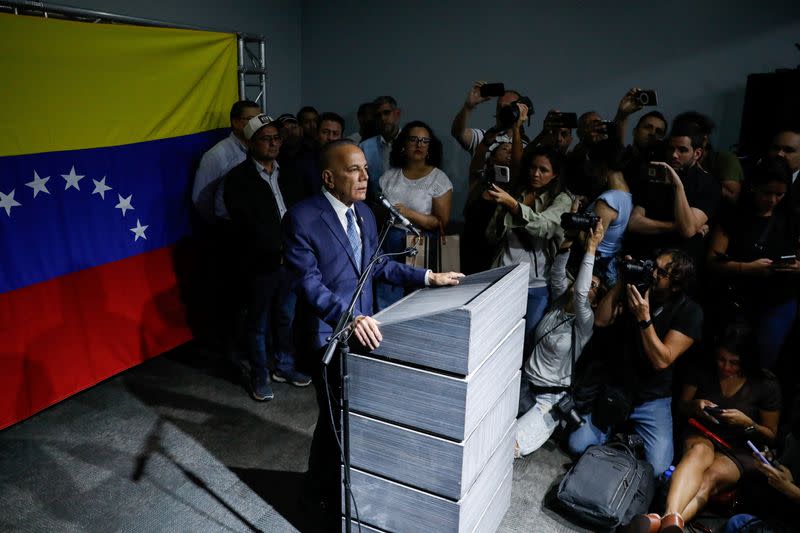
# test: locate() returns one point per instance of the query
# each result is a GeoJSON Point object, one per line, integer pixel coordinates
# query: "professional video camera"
{"type": "Point", "coordinates": [638, 272]}
{"type": "Point", "coordinates": [579, 221]}
{"type": "Point", "coordinates": [509, 115]}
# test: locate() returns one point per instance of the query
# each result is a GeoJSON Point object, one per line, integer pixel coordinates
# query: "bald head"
{"type": "Point", "coordinates": [344, 171]}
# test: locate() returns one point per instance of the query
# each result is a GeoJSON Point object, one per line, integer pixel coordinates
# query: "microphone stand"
{"type": "Point", "coordinates": [338, 342]}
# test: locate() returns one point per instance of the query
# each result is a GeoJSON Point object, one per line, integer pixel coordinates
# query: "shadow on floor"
{"type": "Point", "coordinates": [282, 490]}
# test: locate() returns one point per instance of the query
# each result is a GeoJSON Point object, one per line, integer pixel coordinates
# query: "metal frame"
{"type": "Point", "coordinates": [251, 67]}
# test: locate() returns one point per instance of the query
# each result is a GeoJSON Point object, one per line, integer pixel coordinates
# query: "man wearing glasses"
{"type": "Point", "coordinates": [640, 334]}
{"type": "Point", "coordinates": [257, 195]}
{"type": "Point", "coordinates": [218, 160]}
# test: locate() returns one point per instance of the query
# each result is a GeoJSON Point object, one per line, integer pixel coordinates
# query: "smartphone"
{"type": "Point", "coordinates": [656, 174]}
{"type": "Point", "coordinates": [758, 454]}
{"type": "Point", "coordinates": [493, 89]}
{"type": "Point", "coordinates": [646, 97]}
{"type": "Point", "coordinates": [561, 120]}
{"type": "Point", "coordinates": [713, 412]}
{"type": "Point", "coordinates": [784, 260]}
{"type": "Point", "coordinates": [502, 174]}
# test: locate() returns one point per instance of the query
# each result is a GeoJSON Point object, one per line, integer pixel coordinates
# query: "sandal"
{"type": "Point", "coordinates": [644, 523]}
{"type": "Point", "coordinates": [672, 523]}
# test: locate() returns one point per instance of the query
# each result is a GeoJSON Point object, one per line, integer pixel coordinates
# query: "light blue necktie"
{"type": "Point", "coordinates": [352, 235]}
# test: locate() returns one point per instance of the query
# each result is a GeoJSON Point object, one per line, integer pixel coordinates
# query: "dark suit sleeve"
{"type": "Point", "coordinates": [300, 258]}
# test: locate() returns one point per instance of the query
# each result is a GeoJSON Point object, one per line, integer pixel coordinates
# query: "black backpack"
{"type": "Point", "coordinates": [607, 487]}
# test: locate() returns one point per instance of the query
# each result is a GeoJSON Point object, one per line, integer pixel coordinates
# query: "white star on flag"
{"type": "Point", "coordinates": [124, 203]}
{"type": "Point", "coordinates": [72, 179]}
{"type": "Point", "coordinates": [138, 231]}
{"type": "Point", "coordinates": [38, 184]}
{"type": "Point", "coordinates": [100, 188]}
{"type": "Point", "coordinates": [7, 202]}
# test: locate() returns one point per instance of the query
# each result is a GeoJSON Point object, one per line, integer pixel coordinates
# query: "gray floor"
{"type": "Point", "coordinates": [176, 445]}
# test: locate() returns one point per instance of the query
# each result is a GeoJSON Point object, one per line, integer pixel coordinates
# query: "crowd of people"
{"type": "Point", "coordinates": [684, 258]}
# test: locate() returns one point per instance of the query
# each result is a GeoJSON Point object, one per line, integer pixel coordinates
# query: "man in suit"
{"type": "Point", "coordinates": [328, 240]}
{"type": "Point", "coordinates": [257, 195]}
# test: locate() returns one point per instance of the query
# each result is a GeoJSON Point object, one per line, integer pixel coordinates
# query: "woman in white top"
{"type": "Point", "coordinates": [419, 190]}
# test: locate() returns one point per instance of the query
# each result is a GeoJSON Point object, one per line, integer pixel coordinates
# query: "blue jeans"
{"type": "Point", "coordinates": [773, 325]}
{"type": "Point", "coordinates": [268, 323]}
{"type": "Point", "coordinates": [652, 421]}
{"type": "Point", "coordinates": [737, 522]}
{"type": "Point", "coordinates": [538, 300]}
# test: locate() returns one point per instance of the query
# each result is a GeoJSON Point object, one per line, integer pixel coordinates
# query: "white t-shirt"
{"type": "Point", "coordinates": [415, 194]}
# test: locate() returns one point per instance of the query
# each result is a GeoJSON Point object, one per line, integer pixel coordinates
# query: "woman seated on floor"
{"type": "Point", "coordinates": [737, 403]}
{"type": "Point", "coordinates": [559, 340]}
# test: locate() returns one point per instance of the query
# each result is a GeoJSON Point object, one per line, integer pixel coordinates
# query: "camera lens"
{"type": "Point", "coordinates": [644, 98]}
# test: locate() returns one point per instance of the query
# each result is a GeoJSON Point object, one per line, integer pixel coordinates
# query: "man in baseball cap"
{"type": "Point", "coordinates": [257, 195]}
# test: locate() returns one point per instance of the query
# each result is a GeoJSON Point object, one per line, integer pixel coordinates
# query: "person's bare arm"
{"type": "Point", "coordinates": [661, 354]}
{"type": "Point", "coordinates": [688, 219]}
{"type": "Point", "coordinates": [640, 223]}
{"type": "Point", "coordinates": [458, 128]}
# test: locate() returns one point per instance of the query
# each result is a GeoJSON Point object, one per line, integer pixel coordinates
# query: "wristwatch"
{"type": "Point", "coordinates": [644, 324]}
{"type": "Point", "coordinates": [749, 430]}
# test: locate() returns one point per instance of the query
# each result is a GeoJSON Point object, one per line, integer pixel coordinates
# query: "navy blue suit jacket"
{"type": "Point", "coordinates": [318, 253]}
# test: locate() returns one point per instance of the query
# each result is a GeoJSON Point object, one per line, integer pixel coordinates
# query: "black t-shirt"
{"type": "Point", "coordinates": [751, 237]}
{"type": "Point", "coordinates": [658, 201]}
{"type": "Point", "coordinates": [760, 393]}
{"type": "Point", "coordinates": [637, 373]}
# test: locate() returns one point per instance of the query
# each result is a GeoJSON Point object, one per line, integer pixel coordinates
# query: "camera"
{"type": "Point", "coordinates": [638, 272]}
{"type": "Point", "coordinates": [502, 174]}
{"type": "Point", "coordinates": [508, 115]}
{"type": "Point", "coordinates": [656, 174]}
{"type": "Point", "coordinates": [555, 120]}
{"type": "Point", "coordinates": [579, 221]}
{"type": "Point", "coordinates": [607, 126]}
{"type": "Point", "coordinates": [646, 97]}
{"type": "Point", "coordinates": [567, 412]}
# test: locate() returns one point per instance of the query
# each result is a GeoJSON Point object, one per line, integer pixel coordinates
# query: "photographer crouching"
{"type": "Point", "coordinates": [648, 322]}
{"type": "Point", "coordinates": [559, 340]}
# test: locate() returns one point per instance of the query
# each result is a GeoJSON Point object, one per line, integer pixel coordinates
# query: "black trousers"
{"type": "Point", "coordinates": [323, 482]}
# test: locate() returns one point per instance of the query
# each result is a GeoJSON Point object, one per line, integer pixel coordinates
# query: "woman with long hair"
{"type": "Point", "coordinates": [737, 402]}
{"type": "Point", "coordinates": [527, 225]}
{"type": "Point", "coordinates": [419, 190]}
{"type": "Point", "coordinates": [756, 248]}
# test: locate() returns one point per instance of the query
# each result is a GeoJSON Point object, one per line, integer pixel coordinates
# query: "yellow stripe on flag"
{"type": "Point", "coordinates": [71, 85]}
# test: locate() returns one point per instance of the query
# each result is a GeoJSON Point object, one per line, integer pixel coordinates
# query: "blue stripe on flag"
{"type": "Point", "coordinates": [61, 212]}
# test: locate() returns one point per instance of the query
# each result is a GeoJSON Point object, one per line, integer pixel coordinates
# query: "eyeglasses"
{"type": "Point", "coordinates": [269, 138]}
{"type": "Point", "coordinates": [419, 140]}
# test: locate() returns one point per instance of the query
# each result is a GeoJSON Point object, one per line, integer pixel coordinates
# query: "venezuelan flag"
{"type": "Point", "coordinates": [101, 129]}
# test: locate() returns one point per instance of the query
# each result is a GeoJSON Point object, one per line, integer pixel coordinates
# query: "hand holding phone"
{"type": "Point", "coordinates": [758, 453]}
{"type": "Point", "coordinates": [492, 89]}
{"type": "Point", "coordinates": [713, 412]}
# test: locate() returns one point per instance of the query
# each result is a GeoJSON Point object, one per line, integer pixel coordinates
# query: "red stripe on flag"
{"type": "Point", "coordinates": [67, 334]}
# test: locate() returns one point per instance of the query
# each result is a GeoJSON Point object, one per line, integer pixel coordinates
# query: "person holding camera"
{"type": "Point", "coordinates": [756, 248]}
{"type": "Point", "coordinates": [559, 341]}
{"type": "Point", "coordinates": [733, 405]}
{"type": "Point", "coordinates": [526, 225]}
{"type": "Point", "coordinates": [676, 206]}
{"type": "Point", "coordinates": [475, 251]}
{"type": "Point", "coordinates": [648, 322]}
{"type": "Point", "coordinates": [480, 141]}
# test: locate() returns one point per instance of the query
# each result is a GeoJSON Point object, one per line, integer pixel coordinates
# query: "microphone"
{"type": "Point", "coordinates": [397, 216]}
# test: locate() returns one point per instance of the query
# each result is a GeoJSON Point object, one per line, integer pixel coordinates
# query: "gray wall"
{"type": "Point", "coordinates": [278, 20]}
{"type": "Point", "coordinates": [571, 56]}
